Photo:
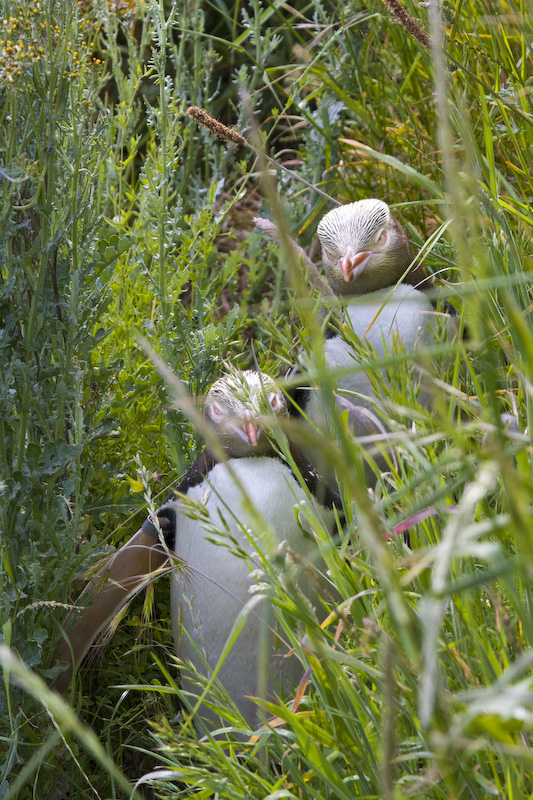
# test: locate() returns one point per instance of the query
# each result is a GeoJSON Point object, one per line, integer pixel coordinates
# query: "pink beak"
{"type": "Point", "coordinates": [252, 434]}
{"type": "Point", "coordinates": [352, 264]}
{"type": "Point", "coordinates": [249, 432]}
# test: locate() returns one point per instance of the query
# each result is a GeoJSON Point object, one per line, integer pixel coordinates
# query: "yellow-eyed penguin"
{"type": "Point", "coordinates": [365, 255]}
{"type": "Point", "coordinates": [221, 521]}
{"type": "Point", "coordinates": [364, 248]}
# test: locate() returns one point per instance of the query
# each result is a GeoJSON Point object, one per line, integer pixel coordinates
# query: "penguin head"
{"type": "Point", "coordinates": [238, 406]}
{"type": "Point", "coordinates": [364, 248]}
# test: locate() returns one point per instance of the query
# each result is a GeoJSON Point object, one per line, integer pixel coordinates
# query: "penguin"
{"type": "Point", "coordinates": [221, 522]}
{"type": "Point", "coordinates": [368, 263]}
{"type": "Point", "coordinates": [250, 499]}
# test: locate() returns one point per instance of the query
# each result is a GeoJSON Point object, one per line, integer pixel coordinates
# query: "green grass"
{"type": "Point", "coordinates": [120, 217]}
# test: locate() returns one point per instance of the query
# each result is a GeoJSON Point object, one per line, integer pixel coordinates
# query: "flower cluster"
{"type": "Point", "coordinates": [28, 37]}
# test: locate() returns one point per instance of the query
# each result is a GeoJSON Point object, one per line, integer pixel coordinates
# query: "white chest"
{"type": "Point", "coordinates": [379, 320]}
{"type": "Point", "coordinates": [237, 532]}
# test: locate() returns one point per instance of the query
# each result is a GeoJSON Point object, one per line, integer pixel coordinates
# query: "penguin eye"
{"type": "Point", "coordinates": [381, 241]}
{"type": "Point", "coordinates": [217, 411]}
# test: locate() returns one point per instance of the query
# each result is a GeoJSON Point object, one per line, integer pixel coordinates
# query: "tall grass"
{"type": "Point", "coordinates": [120, 216]}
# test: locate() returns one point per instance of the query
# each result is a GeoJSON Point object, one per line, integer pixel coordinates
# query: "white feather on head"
{"type": "Point", "coordinates": [364, 248]}
{"type": "Point", "coordinates": [355, 222]}
{"type": "Point", "coordinates": [237, 407]}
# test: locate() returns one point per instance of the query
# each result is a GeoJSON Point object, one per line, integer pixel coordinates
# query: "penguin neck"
{"type": "Point", "coordinates": [381, 295]}
{"type": "Point", "coordinates": [237, 450]}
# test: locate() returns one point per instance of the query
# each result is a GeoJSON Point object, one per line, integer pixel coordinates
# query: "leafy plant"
{"type": "Point", "coordinates": [119, 217]}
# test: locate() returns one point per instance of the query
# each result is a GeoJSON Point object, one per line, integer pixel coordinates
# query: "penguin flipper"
{"type": "Point", "coordinates": [316, 484]}
{"type": "Point", "coordinates": [123, 574]}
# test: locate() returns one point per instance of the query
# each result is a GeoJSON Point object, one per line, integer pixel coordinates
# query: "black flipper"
{"type": "Point", "coordinates": [318, 487]}
{"type": "Point", "coordinates": [166, 513]}
{"type": "Point", "coordinates": [298, 396]}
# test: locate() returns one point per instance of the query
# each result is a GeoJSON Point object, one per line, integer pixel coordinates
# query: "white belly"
{"type": "Point", "coordinates": [215, 584]}
{"type": "Point", "coordinates": [407, 317]}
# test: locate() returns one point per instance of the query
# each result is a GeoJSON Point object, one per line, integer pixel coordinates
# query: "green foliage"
{"type": "Point", "coordinates": [119, 217]}
{"type": "Point", "coordinates": [54, 290]}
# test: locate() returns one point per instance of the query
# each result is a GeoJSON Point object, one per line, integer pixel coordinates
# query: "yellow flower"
{"type": "Point", "coordinates": [135, 483]}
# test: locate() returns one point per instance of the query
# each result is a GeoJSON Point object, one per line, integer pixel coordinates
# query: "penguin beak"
{"type": "Point", "coordinates": [249, 432]}
{"type": "Point", "coordinates": [352, 264]}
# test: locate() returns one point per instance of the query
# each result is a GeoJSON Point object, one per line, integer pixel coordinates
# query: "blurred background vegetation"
{"type": "Point", "coordinates": [119, 216]}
